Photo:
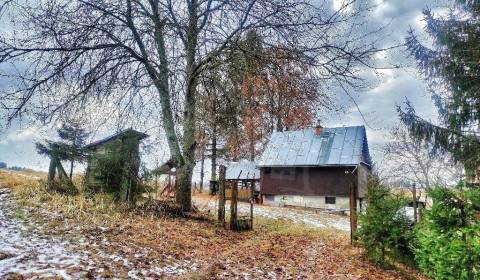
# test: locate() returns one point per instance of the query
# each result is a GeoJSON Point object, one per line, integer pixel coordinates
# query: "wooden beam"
{"type": "Point", "coordinates": [414, 193]}
{"type": "Point", "coordinates": [353, 211]}
{"type": "Point", "coordinates": [252, 200]}
{"type": "Point", "coordinates": [221, 196]}
{"type": "Point", "coordinates": [233, 205]}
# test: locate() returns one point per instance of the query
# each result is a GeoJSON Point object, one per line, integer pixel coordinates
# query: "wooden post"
{"type": "Point", "coordinates": [52, 169]}
{"type": "Point", "coordinates": [156, 185]}
{"type": "Point", "coordinates": [252, 200]}
{"type": "Point", "coordinates": [202, 170]}
{"type": "Point", "coordinates": [233, 205]}
{"type": "Point", "coordinates": [221, 197]}
{"type": "Point", "coordinates": [353, 211]}
{"type": "Point", "coordinates": [414, 193]}
{"type": "Point", "coordinates": [169, 180]}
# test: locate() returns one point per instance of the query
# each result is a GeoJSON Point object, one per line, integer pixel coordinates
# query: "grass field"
{"type": "Point", "coordinates": [149, 241]}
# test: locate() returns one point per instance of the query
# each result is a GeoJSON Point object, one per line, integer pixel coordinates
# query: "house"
{"type": "Point", "coordinates": [315, 167]}
{"type": "Point", "coordinates": [113, 152]}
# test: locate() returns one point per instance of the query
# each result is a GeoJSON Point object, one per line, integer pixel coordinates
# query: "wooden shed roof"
{"type": "Point", "coordinates": [121, 134]}
{"type": "Point", "coordinates": [242, 170]}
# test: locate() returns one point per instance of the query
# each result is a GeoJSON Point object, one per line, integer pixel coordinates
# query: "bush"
{"type": "Point", "coordinates": [448, 239]}
{"type": "Point", "coordinates": [385, 230]}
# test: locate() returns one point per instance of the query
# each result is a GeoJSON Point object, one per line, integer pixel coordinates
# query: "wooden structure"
{"type": "Point", "coordinates": [315, 168]}
{"type": "Point", "coordinates": [246, 174]}
{"type": "Point", "coordinates": [325, 168]}
{"type": "Point", "coordinates": [122, 150]}
{"type": "Point", "coordinates": [57, 152]}
{"type": "Point", "coordinates": [221, 197]}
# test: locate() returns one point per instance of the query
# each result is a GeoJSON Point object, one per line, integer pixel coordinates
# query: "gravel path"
{"type": "Point", "coordinates": [316, 219]}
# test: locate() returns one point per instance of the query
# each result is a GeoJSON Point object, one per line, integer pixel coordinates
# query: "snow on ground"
{"type": "Point", "coordinates": [311, 218]}
{"type": "Point", "coordinates": [26, 251]}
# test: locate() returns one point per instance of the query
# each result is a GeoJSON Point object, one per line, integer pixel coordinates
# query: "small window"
{"type": "Point", "coordinates": [268, 170]}
{"type": "Point", "coordinates": [330, 200]}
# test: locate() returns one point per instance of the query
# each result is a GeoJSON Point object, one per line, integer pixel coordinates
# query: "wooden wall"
{"type": "Point", "coordinates": [318, 181]}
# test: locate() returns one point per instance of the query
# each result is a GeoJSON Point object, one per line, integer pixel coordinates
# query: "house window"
{"type": "Point", "coordinates": [330, 200]}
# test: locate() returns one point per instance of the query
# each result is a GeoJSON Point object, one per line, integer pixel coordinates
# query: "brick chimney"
{"type": "Point", "coordinates": [318, 129]}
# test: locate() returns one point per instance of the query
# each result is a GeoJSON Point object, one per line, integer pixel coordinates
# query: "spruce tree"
{"type": "Point", "coordinates": [452, 68]}
{"type": "Point", "coordinates": [74, 135]}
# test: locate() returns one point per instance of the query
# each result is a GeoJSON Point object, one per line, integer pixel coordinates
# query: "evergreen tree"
{"type": "Point", "coordinates": [385, 228]}
{"type": "Point", "coordinates": [452, 69]}
{"type": "Point", "coordinates": [74, 135]}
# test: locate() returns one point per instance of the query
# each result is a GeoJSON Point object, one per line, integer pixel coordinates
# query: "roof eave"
{"type": "Point", "coordinates": [322, 165]}
{"type": "Point", "coordinates": [140, 136]}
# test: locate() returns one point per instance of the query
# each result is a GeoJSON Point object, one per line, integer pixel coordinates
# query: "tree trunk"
{"type": "Point", "coordinates": [185, 170]}
{"type": "Point", "coordinates": [183, 193]}
{"type": "Point", "coordinates": [279, 124]}
{"type": "Point", "coordinates": [252, 150]}
{"type": "Point", "coordinates": [202, 169]}
{"type": "Point", "coordinates": [213, 176]}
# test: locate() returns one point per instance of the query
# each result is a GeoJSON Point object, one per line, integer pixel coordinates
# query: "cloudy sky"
{"type": "Point", "coordinates": [377, 104]}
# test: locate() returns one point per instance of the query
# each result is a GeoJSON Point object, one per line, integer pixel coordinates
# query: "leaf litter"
{"type": "Point", "coordinates": [155, 246]}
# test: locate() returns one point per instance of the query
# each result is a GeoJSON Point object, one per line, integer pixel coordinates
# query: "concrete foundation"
{"type": "Point", "coordinates": [320, 202]}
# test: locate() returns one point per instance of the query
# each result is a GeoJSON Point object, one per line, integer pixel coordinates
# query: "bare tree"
{"type": "Point", "coordinates": [411, 161]}
{"type": "Point", "coordinates": [141, 55]}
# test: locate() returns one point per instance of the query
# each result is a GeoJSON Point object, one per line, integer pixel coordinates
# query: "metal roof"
{"type": "Point", "coordinates": [120, 134]}
{"type": "Point", "coordinates": [335, 146]}
{"type": "Point", "coordinates": [242, 170]}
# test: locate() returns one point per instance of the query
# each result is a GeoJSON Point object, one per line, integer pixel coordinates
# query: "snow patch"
{"type": "Point", "coordinates": [307, 217]}
{"type": "Point", "coordinates": [25, 250]}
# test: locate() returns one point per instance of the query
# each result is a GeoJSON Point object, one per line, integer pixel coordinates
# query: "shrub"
{"type": "Point", "coordinates": [448, 239]}
{"type": "Point", "coordinates": [385, 230]}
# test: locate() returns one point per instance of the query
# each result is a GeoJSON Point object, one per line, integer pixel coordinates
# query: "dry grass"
{"type": "Point", "coordinates": [16, 180]}
{"type": "Point", "coordinates": [274, 246]}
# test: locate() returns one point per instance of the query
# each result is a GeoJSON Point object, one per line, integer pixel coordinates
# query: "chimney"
{"type": "Point", "coordinates": [318, 129]}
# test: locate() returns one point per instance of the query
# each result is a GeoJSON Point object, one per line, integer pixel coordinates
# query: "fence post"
{"type": "Point", "coordinates": [233, 205]}
{"type": "Point", "coordinates": [221, 196]}
{"type": "Point", "coordinates": [353, 211]}
{"type": "Point", "coordinates": [252, 200]}
{"type": "Point", "coordinates": [414, 194]}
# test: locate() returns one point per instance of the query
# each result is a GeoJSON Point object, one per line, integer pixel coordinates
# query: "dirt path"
{"type": "Point", "coordinates": [307, 217]}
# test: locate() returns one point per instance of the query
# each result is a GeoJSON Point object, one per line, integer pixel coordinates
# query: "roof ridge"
{"type": "Point", "coordinates": [115, 136]}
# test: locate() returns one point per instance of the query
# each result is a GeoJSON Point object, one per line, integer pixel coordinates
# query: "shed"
{"type": "Point", "coordinates": [117, 151]}
{"type": "Point", "coordinates": [245, 173]}
{"type": "Point", "coordinates": [315, 167]}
